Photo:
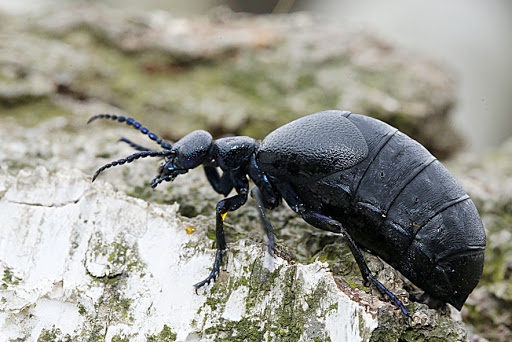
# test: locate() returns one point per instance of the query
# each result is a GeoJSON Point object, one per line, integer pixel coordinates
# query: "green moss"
{"type": "Point", "coordinates": [274, 306]}
{"type": "Point", "coordinates": [340, 259]}
{"type": "Point", "coordinates": [155, 83]}
{"type": "Point", "coordinates": [286, 309]}
{"type": "Point", "coordinates": [122, 305]}
{"type": "Point", "coordinates": [221, 291]}
{"type": "Point", "coordinates": [364, 331]}
{"type": "Point", "coordinates": [146, 193]}
{"type": "Point", "coordinates": [81, 309]}
{"type": "Point", "coordinates": [120, 255]}
{"type": "Point", "coordinates": [111, 308]}
{"type": "Point", "coordinates": [16, 165]}
{"type": "Point", "coordinates": [284, 320]}
{"type": "Point", "coordinates": [106, 155]}
{"type": "Point", "coordinates": [388, 330]}
{"type": "Point", "coordinates": [356, 283]}
{"type": "Point", "coordinates": [237, 331]}
{"type": "Point", "coordinates": [96, 333]}
{"type": "Point", "coordinates": [260, 283]}
{"type": "Point", "coordinates": [123, 254]}
{"type": "Point", "coordinates": [53, 335]}
{"type": "Point", "coordinates": [9, 279]}
{"type": "Point", "coordinates": [163, 336]}
{"type": "Point", "coordinates": [48, 335]}
{"type": "Point", "coordinates": [211, 233]}
{"type": "Point", "coordinates": [31, 111]}
{"type": "Point", "coordinates": [444, 331]}
{"type": "Point", "coordinates": [118, 338]}
{"type": "Point", "coordinates": [498, 253]}
{"type": "Point", "coordinates": [212, 302]}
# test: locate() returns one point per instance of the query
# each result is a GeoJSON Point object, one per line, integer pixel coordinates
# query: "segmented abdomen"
{"type": "Point", "coordinates": [410, 210]}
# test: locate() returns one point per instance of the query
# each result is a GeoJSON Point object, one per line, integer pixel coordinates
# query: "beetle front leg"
{"type": "Point", "coordinates": [269, 196]}
{"type": "Point", "coordinates": [223, 207]}
{"type": "Point", "coordinates": [221, 184]}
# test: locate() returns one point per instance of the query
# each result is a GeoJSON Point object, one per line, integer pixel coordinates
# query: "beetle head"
{"type": "Point", "coordinates": [187, 153]}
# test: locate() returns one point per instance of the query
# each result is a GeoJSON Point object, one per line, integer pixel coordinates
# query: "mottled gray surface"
{"type": "Point", "coordinates": [225, 73]}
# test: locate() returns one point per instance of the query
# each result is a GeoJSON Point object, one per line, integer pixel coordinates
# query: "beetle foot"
{"type": "Point", "coordinates": [272, 250]}
{"type": "Point", "coordinates": [214, 273]}
{"type": "Point", "coordinates": [272, 246]}
{"type": "Point", "coordinates": [390, 296]}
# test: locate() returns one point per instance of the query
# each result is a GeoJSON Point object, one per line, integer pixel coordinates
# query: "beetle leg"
{"type": "Point", "coordinates": [223, 207]}
{"type": "Point", "coordinates": [327, 223]}
{"type": "Point", "coordinates": [221, 184]}
{"type": "Point", "coordinates": [270, 197]}
{"type": "Point", "coordinates": [267, 226]}
{"type": "Point", "coordinates": [331, 225]}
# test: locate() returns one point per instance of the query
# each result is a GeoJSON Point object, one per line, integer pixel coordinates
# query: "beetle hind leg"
{"type": "Point", "coordinates": [328, 224]}
{"type": "Point", "coordinates": [391, 297]}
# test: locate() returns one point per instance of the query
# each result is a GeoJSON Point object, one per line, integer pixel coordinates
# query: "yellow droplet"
{"type": "Point", "coordinates": [190, 229]}
{"type": "Point", "coordinates": [224, 215]}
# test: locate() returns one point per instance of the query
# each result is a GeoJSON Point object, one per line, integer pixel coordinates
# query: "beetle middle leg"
{"type": "Point", "coordinates": [223, 207]}
{"type": "Point", "coordinates": [267, 226]}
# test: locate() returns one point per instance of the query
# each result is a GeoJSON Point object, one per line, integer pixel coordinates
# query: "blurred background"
{"type": "Point", "coordinates": [471, 38]}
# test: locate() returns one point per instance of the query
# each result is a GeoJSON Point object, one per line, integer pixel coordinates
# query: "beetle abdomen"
{"type": "Point", "coordinates": [412, 212]}
{"type": "Point", "coordinates": [393, 197]}
{"type": "Point", "coordinates": [446, 255]}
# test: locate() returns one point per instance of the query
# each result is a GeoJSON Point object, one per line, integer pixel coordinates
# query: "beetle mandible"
{"type": "Point", "coordinates": [344, 173]}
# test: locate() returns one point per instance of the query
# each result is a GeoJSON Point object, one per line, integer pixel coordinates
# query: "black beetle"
{"type": "Point", "coordinates": [349, 174]}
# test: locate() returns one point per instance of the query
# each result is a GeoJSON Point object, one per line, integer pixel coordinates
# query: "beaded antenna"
{"type": "Point", "coordinates": [145, 152]}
